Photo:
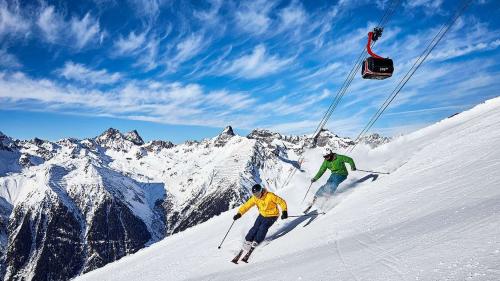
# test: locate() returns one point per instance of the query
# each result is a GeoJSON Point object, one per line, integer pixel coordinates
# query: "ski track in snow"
{"type": "Point", "coordinates": [435, 217]}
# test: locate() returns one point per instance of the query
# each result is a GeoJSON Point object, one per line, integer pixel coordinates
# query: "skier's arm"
{"type": "Point", "coordinates": [245, 207]}
{"type": "Point", "coordinates": [278, 200]}
{"type": "Point", "coordinates": [321, 171]}
{"type": "Point", "coordinates": [347, 159]}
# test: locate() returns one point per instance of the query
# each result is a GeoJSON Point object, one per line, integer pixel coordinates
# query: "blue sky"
{"type": "Point", "coordinates": [182, 70]}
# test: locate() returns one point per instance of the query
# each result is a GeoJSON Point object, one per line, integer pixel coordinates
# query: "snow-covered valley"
{"type": "Point", "coordinates": [435, 217]}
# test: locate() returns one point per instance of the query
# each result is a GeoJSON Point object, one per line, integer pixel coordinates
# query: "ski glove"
{"type": "Point", "coordinates": [284, 215]}
{"type": "Point", "coordinates": [237, 216]}
{"type": "Point", "coordinates": [313, 180]}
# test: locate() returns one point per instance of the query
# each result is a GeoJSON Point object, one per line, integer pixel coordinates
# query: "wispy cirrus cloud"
{"type": "Point", "coordinates": [86, 30]}
{"type": "Point", "coordinates": [430, 4]}
{"type": "Point", "coordinates": [253, 16]}
{"type": "Point", "coordinates": [464, 50]}
{"type": "Point", "coordinates": [12, 22]}
{"type": "Point", "coordinates": [186, 49]}
{"type": "Point", "coordinates": [147, 9]}
{"type": "Point", "coordinates": [293, 15]}
{"type": "Point", "coordinates": [77, 32]}
{"type": "Point", "coordinates": [8, 60]}
{"type": "Point", "coordinates": [51, 23]}
{"type": "Point", "coordinates": [130, 44]}
{"type": "Point", "coordinates": [81, 73]}
{"type": "Point", "coordinates": [172, 103]}
{"type": "Point", "coordinates": [256, 64]}
{"type": "Point", "coordinates": [210, 16]}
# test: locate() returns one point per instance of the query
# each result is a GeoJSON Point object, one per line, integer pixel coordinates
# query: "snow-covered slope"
{"type": "Point", "coordinates": [435, 217]}
{"type": "Point", "coordinates": [90, 202]}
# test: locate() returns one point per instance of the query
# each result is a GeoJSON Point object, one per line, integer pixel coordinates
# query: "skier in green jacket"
{"type": "Point", "coordinates": [336, 164]}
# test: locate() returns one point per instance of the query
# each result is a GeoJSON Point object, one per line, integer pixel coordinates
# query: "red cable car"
{"type": "Point", "coordinates": [375, 66]}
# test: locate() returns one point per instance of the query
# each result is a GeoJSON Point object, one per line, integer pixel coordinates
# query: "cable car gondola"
{"type": "Point", "coordinates": [375, 66]}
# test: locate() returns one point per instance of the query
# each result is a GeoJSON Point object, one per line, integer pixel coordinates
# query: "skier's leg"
{"type": "Point", "coordinates": [255, 228]}
{"type": "Point", "coordinates": [335, 181]}
{"type": "Point", "coordinates": [264, 227]}
{"type": "Point", "coordinates": [247, 245]}
{"type": "Point", "coordinates": [329, 188]}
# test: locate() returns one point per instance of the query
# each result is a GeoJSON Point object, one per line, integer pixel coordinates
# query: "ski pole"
{"type": "Point", "coordinates": [307, 215]}
{"type": "Point", "coordinates": [372, 172]}
{"type": "Point", "coordinates": [307, 192]}
{"type": "Point", "coordinates": [226, 234]}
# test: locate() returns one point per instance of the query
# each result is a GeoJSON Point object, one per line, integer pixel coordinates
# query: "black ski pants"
{"type": "Point", "coordinates": [259, 230]}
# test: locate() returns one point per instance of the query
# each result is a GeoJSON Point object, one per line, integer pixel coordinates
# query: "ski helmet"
{"type": "Point", "coordinates": [328, 154]}
{"type": "Point", "coordinates": [257, 189]}
{"type": "Point", "coordinates": [327, 151]}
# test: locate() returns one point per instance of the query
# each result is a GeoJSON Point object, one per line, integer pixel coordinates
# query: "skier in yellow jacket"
{"type": "Point", "coordinates": [267, 203]}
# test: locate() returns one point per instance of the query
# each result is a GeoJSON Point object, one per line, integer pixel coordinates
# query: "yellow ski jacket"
{"type": "Point", "coordinates": [267, 204]}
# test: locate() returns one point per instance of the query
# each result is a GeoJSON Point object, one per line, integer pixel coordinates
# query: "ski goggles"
{"type": "Point", "coordinates": [258, 193]}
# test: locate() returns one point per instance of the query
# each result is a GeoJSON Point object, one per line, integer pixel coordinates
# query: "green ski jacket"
{"type": "Point", "coordinates": [337, 166]}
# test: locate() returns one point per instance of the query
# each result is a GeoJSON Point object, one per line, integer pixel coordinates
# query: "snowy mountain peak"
{"type": "Point", "coordinates": [228, 131]}
{"type": "Point", "coordinates": [375, 140]}
{"type": "Point", "coordinates": [327, 133]}
{"type": "Point", "coordinates": [113, 138]}
{"type": "Point", "coordinates": [110, 133]}
{"type": "Point", "coordinates": [158, 145]}
{"type": "Point", "coordinates": [37, 141]}
{"type": "Point", "coordinates": [326, 138]}
{"type": "Point", "coordinates": [224, 136]}
{"type": "Point", "coordinates": [6, 142]}
{"type": "Point", "coordinates": [134, 137]}
{"type": "Point", "coordinates": [264, 135]}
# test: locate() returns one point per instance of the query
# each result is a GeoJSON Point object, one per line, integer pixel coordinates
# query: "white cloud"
{"type": "Point", "coordinates": [211, 15]}
{"type": "Point", "coordinates": [172, 103]}
{"type": "Point", "coordinates": [12, 22]}
{"type": "Point", "coordinates": [147, 8]}
{"type": "Point", "coordinates": [185, 50]}
{"type": "Point", "coordinates": [85, 31]}
{"type": "Point", "coordinates": [293, 15]}
{"type": "Point", "coordinates": [234, 101]}
{"type": "Point", "coordinates": [322, 72]}
{"type": "Point", "coordinates": [8, 60]}
{"type": "Point", "coordinates": [257, 64]}
{"type": "Point", "coordinates": [253, 16]}
{"type": "Point", "coordinates": [51, 23]}
{"type": "Point", "coordinates": [76, 33]}
{"type": "Point", "coordinates": [432, 4]}
{"type": "Point", "coordinates": [131, 43]}
{"type": "Point", "coordinates": [149, 57]}
{"type": "Point", "coordinates": [465, 50]}
{"type": "Point", "coordinates": [78, 72]}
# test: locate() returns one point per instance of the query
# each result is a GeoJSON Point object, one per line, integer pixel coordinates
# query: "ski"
{"type": "Point", "coordinates": [235, 260]}
{"type": "Point", "coordinates": [247, 256]}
